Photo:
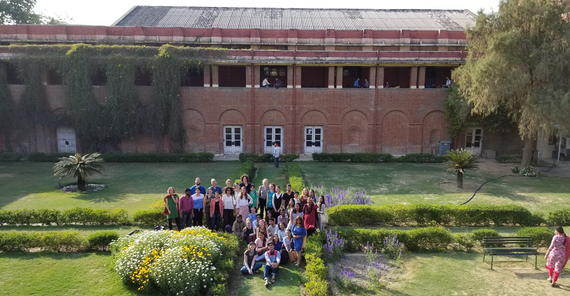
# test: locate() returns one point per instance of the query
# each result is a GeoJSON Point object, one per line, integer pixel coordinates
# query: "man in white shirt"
{"type": "Point", "coordinates": [266, 83]}
{"type": "Point", "coordinates": [276, 154]}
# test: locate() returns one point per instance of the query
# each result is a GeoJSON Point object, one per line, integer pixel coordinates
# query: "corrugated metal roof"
{"type": "Point", "coordinates": [296, 18]}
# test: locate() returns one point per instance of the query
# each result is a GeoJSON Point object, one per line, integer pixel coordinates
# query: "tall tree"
{"type": "Point", "coordinates": [22, 12]}
{"type": "Point", "coordinates": [519, 58]}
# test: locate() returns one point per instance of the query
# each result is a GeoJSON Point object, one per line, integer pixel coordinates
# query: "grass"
{"type": "Point", "coordinates": [395, 183]}
{"type": "Point", "coordinates": [287, 282]}
{"type": "Point", "coordinates": [131, 186]}
{"type": "Point", "coordinates": [274, 175]}
{"type": "Point", "coordinates": [60, 274]}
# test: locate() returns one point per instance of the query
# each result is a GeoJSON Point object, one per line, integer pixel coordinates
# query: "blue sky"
{"type": "Point", "coordinates": [106, 12]}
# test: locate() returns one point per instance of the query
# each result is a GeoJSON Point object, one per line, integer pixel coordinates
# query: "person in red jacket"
{"type": "Point", "coordinates": [310, 216]}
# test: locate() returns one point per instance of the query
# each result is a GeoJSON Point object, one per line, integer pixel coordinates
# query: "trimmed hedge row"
{"type": "Point", "coordinates": [424, 214]}
{"type": "Point", "coordinates": [76, 215]}
{"type": "Point", "coordinates": [377, 157]}
{"type": "Point", "coordinates": [266, 157]}
{"type": "Point", "coordinates": [294, 176]}
{"type": "Point", "coordinates": [55, 241]}
{"type": "Point", "coordinates": [509, 158]}
{"type": "Point", "coordinates": [149, 217]}
{"type": "Point", "coordinates": [434, 239]}
{"type": "Point", "coordinates": [559, 217]}
{"type": "Point", "coordinates": [315, 270]}
{"type": "Point", "coordinates": [116, 157]}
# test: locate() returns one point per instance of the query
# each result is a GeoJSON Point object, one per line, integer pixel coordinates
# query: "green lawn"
{"type": "Point", "coordinates": [60, 274]}
{"type": "Point", "coordinates": [131, 186]}
{"type": "Point", "coordinates": [395, 183]}
{"type": "Point", "coordinates": [287, 282]}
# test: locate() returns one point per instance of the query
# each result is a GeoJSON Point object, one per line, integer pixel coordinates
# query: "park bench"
{"type": "Point", "coordinates": [505, 246]}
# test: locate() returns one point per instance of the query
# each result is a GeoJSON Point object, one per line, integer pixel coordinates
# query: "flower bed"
{"type": "Point", "coordinates": [337, 196]}
{"type": "Point", "coordinates": [194, 261]}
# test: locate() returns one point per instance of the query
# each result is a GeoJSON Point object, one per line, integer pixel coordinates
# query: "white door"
{"type": "Point", "coordinates": [233, 140]}
{"type": "Point", "coordinates": [273, 134]}
{"type": "Point", "coordinates": [66, 140]}
{"type": "Point", "coordinates": [313, 139]}
{"type": "Point", "coordinates": [473, 140]}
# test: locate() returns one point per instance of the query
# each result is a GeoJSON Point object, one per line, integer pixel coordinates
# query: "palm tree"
{"type": "Point", "coordinates": [458, 161]}
{"type": "Point", "coordinates": [78, 166]}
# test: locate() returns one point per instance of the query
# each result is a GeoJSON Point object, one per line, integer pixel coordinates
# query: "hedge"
{"type": "Point", "coordinates": [247, 168]}
{"type": "Point", "coordinates": [294, 176]}
{"type": "Point", "coordinates": [541, 236]}
{"type": "Point", "coordinates": [353, 157]}
{"type": "Point", "coordinates": [424, 214]}
{"type": "Point", "coordinates": [76, 215]}
{"type": "Point", "coordinates": [559, 217]}
{"type": "Point", "coordinates": [509, 158]}
{"type": "Point", "coordinates": [266, 157]}
{"type": "Point", "coordinates": [54, 241]}
{"type": "Point", "coordinates": [149, 217]}
{"type": "Point", "coordinates": [8, 156]}
{"type": "Point", "coordinates": [420, 158]}
{"type": "Point", "coordinates": [315, 270]}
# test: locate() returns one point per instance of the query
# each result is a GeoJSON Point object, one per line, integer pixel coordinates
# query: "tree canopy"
{"type": "Point", "coordinates": [22, 12]}
{"type": "Point", "coordinates": [519, 59]}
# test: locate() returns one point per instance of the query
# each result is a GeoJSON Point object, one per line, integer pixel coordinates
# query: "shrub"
{"type": "Point", "coordinates": [149, 217]}
{"type": "Point", "coordinates": [247, 168]}
{"type": "Point", "coordinates": [429, 239]}
{"type": "Point", "coordinates": [294, 176]}
{"type": "Point", "coordinates": [353, 215]}
{"type": "Point", "coordinates": [515, 169]}
{"type": "Point", "coordinates": [353, 157]}
{"type": "Point", "coordinates": [159, 157]}
{"type": "Point", "coordinates": [43, 157]}
{"type": "Point", "coordinates": [96, 216]}
{"type": "Point", "coordinates": [61, 241]}
{"type": "Point", "coordinates": [317, 288]}
{"type": "Point", "coordinates": [420, 158]}
{"type": "Point", "coordinates": [465, 240]}
{"type": "Point", "coordinates": [509, 158]}
{"type": "Point", "coordinates": [8, 157]}
{"type": "Point", "coordinates": [315, 269]}
{"type": "Point", "coordinates": [559, 217]}
{"type": "Point", "coordinates": [266, 157]}
{"type": "Point", "coordinates": [189, 262]}
{"type": "Point", "coordinates": [100, 240]}
{"type": "Point", "coordinates": [19, 241]}
{"type": "Point", "coordinates": [479, 234]}
{"type": "Point", "coordinates": [356, 239]}
{"type": "Point", "coordinates": [315, 245]}
{"type": "Point", "coordinates": [541, 236]}
{"type": "Point", "coordinates": [334, 247]}
{"type": "Point", "coordinates": [529, 171]}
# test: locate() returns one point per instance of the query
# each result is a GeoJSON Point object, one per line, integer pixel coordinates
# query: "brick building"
{"type": "Point", "coordinates": [318, 54]}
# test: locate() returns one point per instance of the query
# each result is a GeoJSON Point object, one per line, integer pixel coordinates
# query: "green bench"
{"type": "Point", "coordinates": [505, 246]}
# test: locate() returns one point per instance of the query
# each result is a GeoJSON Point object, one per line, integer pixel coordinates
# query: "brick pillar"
{"type": "Point", "coordinates": [207, 73]}
{"type": "Point", "coordinates": [290, 76]}
{"type": "Point", "coordinates": [298, 77]}
{"type": "Point", "coordinates": [414, 77]}
{"type": "Point", "coordinates": [257, 76]}
{"type": "Point", "coordinates": [331, 77]}
{"type": "Point", "coordinates": [248, 71]}
{"type": "Point", "coordinates": [339, 76]}
{"type": "Point", "coordinates": [422, 77]}
{"type": "Point", "coordinates": [380, 75]}
{"type": "Point", "coordinates": [372, 78]}
{"type": "Point", "coordinates": [215, 76]}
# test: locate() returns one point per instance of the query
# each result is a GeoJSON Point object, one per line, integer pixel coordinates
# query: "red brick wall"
{"type": "Point", "coordinates": [406, 120]}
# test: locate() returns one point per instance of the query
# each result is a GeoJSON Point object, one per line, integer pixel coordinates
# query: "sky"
{"type": "Point", "coordinates": [106, 12]}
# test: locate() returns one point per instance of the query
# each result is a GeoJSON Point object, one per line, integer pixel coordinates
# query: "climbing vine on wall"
{"type": "Point", "coordinates": [101, 125]}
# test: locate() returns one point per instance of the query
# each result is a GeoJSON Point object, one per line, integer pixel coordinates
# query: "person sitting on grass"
{"type": "Point", "coordinates": [276, 242]}
{"type": "Point", "coordinates": [249, 263]}
{"type": "Point", "coordinates": [260, 246]}
{"type": "Point", "coordinates": [238, 226]}
{"type": "Point", "coordinates": [272, 259]}
{"type": "Point", "coordinates": [248, 230]}
{"type": "Point", "coordinates": [272, 228]}
{"type": "Point", "coordinates": [252, 215]}
{"type": "Point", "coordinates": [281, 232]}
{"type": "Point", "coordinates": [283, 215]}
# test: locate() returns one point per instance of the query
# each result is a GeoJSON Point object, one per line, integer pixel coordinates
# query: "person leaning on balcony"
{"type": "Point", "coordinates": [357, 83]}
{"type": "Point", "coordinates": [266, 83]}
{"type": "Point", "coordinates": [366, 84]}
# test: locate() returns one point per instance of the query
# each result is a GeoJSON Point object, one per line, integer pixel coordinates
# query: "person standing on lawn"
{"type": "Point", "coordinates": [263, 196]}
{"type": "Point", "coordinates": [243, 202]}
{"type": "Point", "coordinates": [171, 208]}
{"type": "Point", "coordinates": [557, 255]}
{"type": "Point", "coordinates": [197, 185]}
{"type": "Point", "coordinates": [249, 264]}
{"type": "Point", "coordinates": [299, 235]}
{"type": "Point", "coordinates": [229, 207]}
{"type": "Point", "coordinates": [272, 259]}
{"type": "Point", "coordinates": [310, 216]}
{"type": "Point", "coordinates": [245, 183]}
{"type": "Point", "coordinates": [323, 217]}
{"type": "Point", "coordinates": [288, 195]}
{"type": "Point", "coordinates": [276, 154]}
{"type": "Point", "coordinates": [185, 207]}
{"type": "Point", "coordinates": [199, 204]}
{"type": "Point", "coordinates": [216, 208]}
{"type": "Point", "coordinates": [207, 199]}
{"type": "Point", "coordinates": [253, 194]}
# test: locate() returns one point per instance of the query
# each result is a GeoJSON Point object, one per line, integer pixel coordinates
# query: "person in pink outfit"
{"type": "Point", "coordinates": [557, 255]}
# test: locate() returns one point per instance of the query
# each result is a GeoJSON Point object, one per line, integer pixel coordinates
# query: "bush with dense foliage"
{"type": "Point", "coordinates": [541, 236]}
{"type": "Point", "coordinates": [115, 157]}
{"type": "Point", "coordinates": [266, 157]}
{"type": "Point", "coordinates": [420, 158]}
{"type": "Point", "coordinates": [479, 234]}
{"type": "Point", "coordinates": [558, 217]}
{"type": "Point", "coordinates": [294, 176]}
{"type": "Point", "coordinates": [55, 241]}
{"type": "Point", "coordinates": [85, 216]}
{"type": "Point", "coordinates": [353, 157]}
{"type": "Point", "coordinates": [194, 261]}
{"type": "Point", "coordinates": [149, 217]}
{"type": "Point", "coordinates": [509, 158]}
{"type": "Point", "coordinates": [426, 214]}
{"type": "Point", "coordinates": [100, 241]}
{"type": "Point", "coordinates": [315, 270]}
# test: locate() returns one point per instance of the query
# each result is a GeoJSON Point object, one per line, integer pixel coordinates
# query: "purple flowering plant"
{"type": "Point", "coordinates": [337, 196]}
{"type": "Point", "coordinates": [334, 246]}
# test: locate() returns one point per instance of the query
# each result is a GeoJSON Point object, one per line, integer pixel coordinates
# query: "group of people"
{"type": "Point", "coordinates": [274, 223]}
{"type": "Point", "coordinates": [357, 83]}
{"type": "Point", "coordinates": [266, 83]}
